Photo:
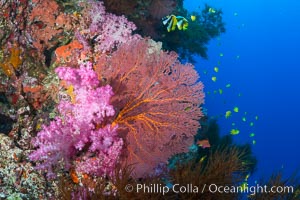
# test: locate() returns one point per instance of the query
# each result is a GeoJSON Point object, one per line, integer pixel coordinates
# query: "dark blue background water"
{"type": "Point", "coordinates": [265, 34]}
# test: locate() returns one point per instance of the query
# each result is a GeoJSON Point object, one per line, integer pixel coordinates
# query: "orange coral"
{"type": "Point", "coordinates": [13, 62]}
{"type": "Point", "coordinates": [47, 24]}
{"type": "Point", "coordinates": [64, 53]}
{"type": "Point", "coordinates": [74, 176]}
{"type": "Point", "coordinates": [36, 95]}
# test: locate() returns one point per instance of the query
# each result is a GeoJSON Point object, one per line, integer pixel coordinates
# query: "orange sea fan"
{"type": "Point", "coordinates": [157, 101]}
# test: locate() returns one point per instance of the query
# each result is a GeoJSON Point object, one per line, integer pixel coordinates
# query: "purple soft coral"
{"type": "Point", "coordinates": [77, 130]}
{"type": "Point", "coordinates": [108, 30]}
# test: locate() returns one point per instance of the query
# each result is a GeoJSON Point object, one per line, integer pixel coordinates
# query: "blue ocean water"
{"type": "Point", "coordinates": [259, 56]}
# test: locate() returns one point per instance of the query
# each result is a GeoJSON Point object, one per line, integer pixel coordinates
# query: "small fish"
{"type": "Point", "coordinates": [237, 57]}
{"type": "Point", "coordinates": [251, 124]}
{"type": "Point", "coordinates": [233, 124]}
{"type": "Point", "coordinates": [216, 69]}
{"type": "Point", "coordinates": [256, 117]}
{"type": "Point", "coordinates": [215, 91]}
{"type": "Point", "coordinates": [187, 108]}
{"type": "Point", "coordinates": [254, 142]}
{"type": "Point", "coordinates": [247, 176]}
{"type": "Point", "coordinates": [173, 21]}
{"type": "Point", "coordinates": [221, 54]}
{"type": "Point", "coordinates": [214, 79]}
{"type": "Point", "coordinates": [252, 135]}
{"type": "Point", "coordinates": [74, 176]}
{"type": "Point", "coordinates": [228, 114]}
{"type": "Point", "coordinates": [193, 17]}
{"type": "Point", "coordinates": [182, 23]}
{"type": "Point", "coordinates": [211, 10]}
{"type": "Point", "coordinates": [228, 85]}
{"type": "Point", "coordinates": [244, 186]}
{"type": "Point", "coordinates": [38, 126]}
{"type": "Point", "coordinates": [208, 92]}
{"type": "Point", "coordinates": [220, 91]}
{"type": "Point", "coordinates": [202, 159]}
{"type": "Point", "coordinates": [239, 94]}
{"type": "Point", "coordinates": [244, 119]}
{"type": "Point", "coordinates": [234, 131]}
{"type": "Point", "coordinates": [205, 72]}
{"type": "Point", "coordinates": [236, 109]}
{"type": "Point", "coordinates": [203, 143]}
{"type": "Point", "coordinates": [76, 14]}
{"type": "Point", "coordinates": [235, 14]}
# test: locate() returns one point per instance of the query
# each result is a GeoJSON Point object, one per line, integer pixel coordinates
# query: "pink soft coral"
{"type": "Point", "coordinates": [105, 29]}
{"type": "Point", "coordinates": [77, 130]}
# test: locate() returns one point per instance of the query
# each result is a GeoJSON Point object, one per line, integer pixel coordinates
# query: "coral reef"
{"type": "Point", "coordinates": [89, 106]}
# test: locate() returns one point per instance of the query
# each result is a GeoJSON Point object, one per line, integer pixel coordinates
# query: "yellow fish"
{"type": "Point", "coordinates": [173, 21]}
{"type": "Point", "coordinates": [202, 159]}
{"type": "Point", "coordinates": [214, 79]}
{"type": "Point", "coordinates": [234, 131]}
{"type": "Point", "coordinates": [228, 114]}
{"type": "Point", "coordinates": [182, 23]}
{"type": "Point", "coordinates": [216, 69]}
{"type": "Point", "coordinates": [211, 10]}
{"type": "Point", "coordinates": [246, 178]}
{"type": "Point", "coordinates": [236, 109]}
{"type": "Point", "coordinates": [193, 17]}
{"type": "Point", "coordinates": [38, 126]}
{"type": "Point", "coordinates": [187, 108]}
{"type": "Point", "coordinates": [76, 14]}
{"type": "Point", "coordinates": [243, 186]}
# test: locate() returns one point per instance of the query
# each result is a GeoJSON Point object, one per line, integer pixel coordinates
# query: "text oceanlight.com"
{"type": "Point", "coordinates": [211, 188]}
